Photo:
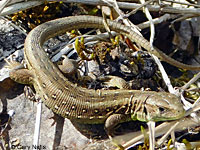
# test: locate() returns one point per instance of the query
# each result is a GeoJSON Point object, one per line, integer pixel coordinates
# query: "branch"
{"type": "Point", "coordinates": [14, 6]}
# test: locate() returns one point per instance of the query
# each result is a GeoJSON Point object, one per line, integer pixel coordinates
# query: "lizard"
{"type": "Point", "coordinates": [86, 105]}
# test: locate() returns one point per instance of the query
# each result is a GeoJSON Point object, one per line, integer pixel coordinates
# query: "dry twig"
{"type": "Point", "coordinates": [15, 7]}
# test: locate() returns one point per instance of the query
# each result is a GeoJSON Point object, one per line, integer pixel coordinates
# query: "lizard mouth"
{"type": "Point", "coordinates": [174, 116]}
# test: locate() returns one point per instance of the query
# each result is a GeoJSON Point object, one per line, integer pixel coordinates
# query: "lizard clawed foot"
{"type": "Point", "coordinates": [13, 64]}
{"type": "Point", "coordinates": [30, 93]}
{"type": "Point", "coordinates": [115, 143]}
{"type": "Point", "coordinates": [55, 118]}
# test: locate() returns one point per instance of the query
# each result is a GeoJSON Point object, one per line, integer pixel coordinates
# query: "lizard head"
{"type": "Point", "coordinates": [160, 107]}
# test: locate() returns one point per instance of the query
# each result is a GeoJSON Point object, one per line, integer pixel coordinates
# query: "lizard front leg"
{"type": "Point", "coordinates": [69, 66]}
{"type": "Point", "coordinates": [115, 81]}
{"type": "Point", "coordinates": [111, 122]}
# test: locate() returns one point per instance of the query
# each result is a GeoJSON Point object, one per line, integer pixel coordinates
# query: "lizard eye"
{"type": "Point", "coordinates": [161, 109]}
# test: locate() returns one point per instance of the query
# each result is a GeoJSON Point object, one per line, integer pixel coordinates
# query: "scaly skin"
{"type": "Point", "coordinates": [91, 106]}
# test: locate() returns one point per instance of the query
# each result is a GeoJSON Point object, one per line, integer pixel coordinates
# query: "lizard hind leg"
{"type": "Point", "coordinates": [23, 76]}
{"type": "Point", "coordinates": [18, 73]}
